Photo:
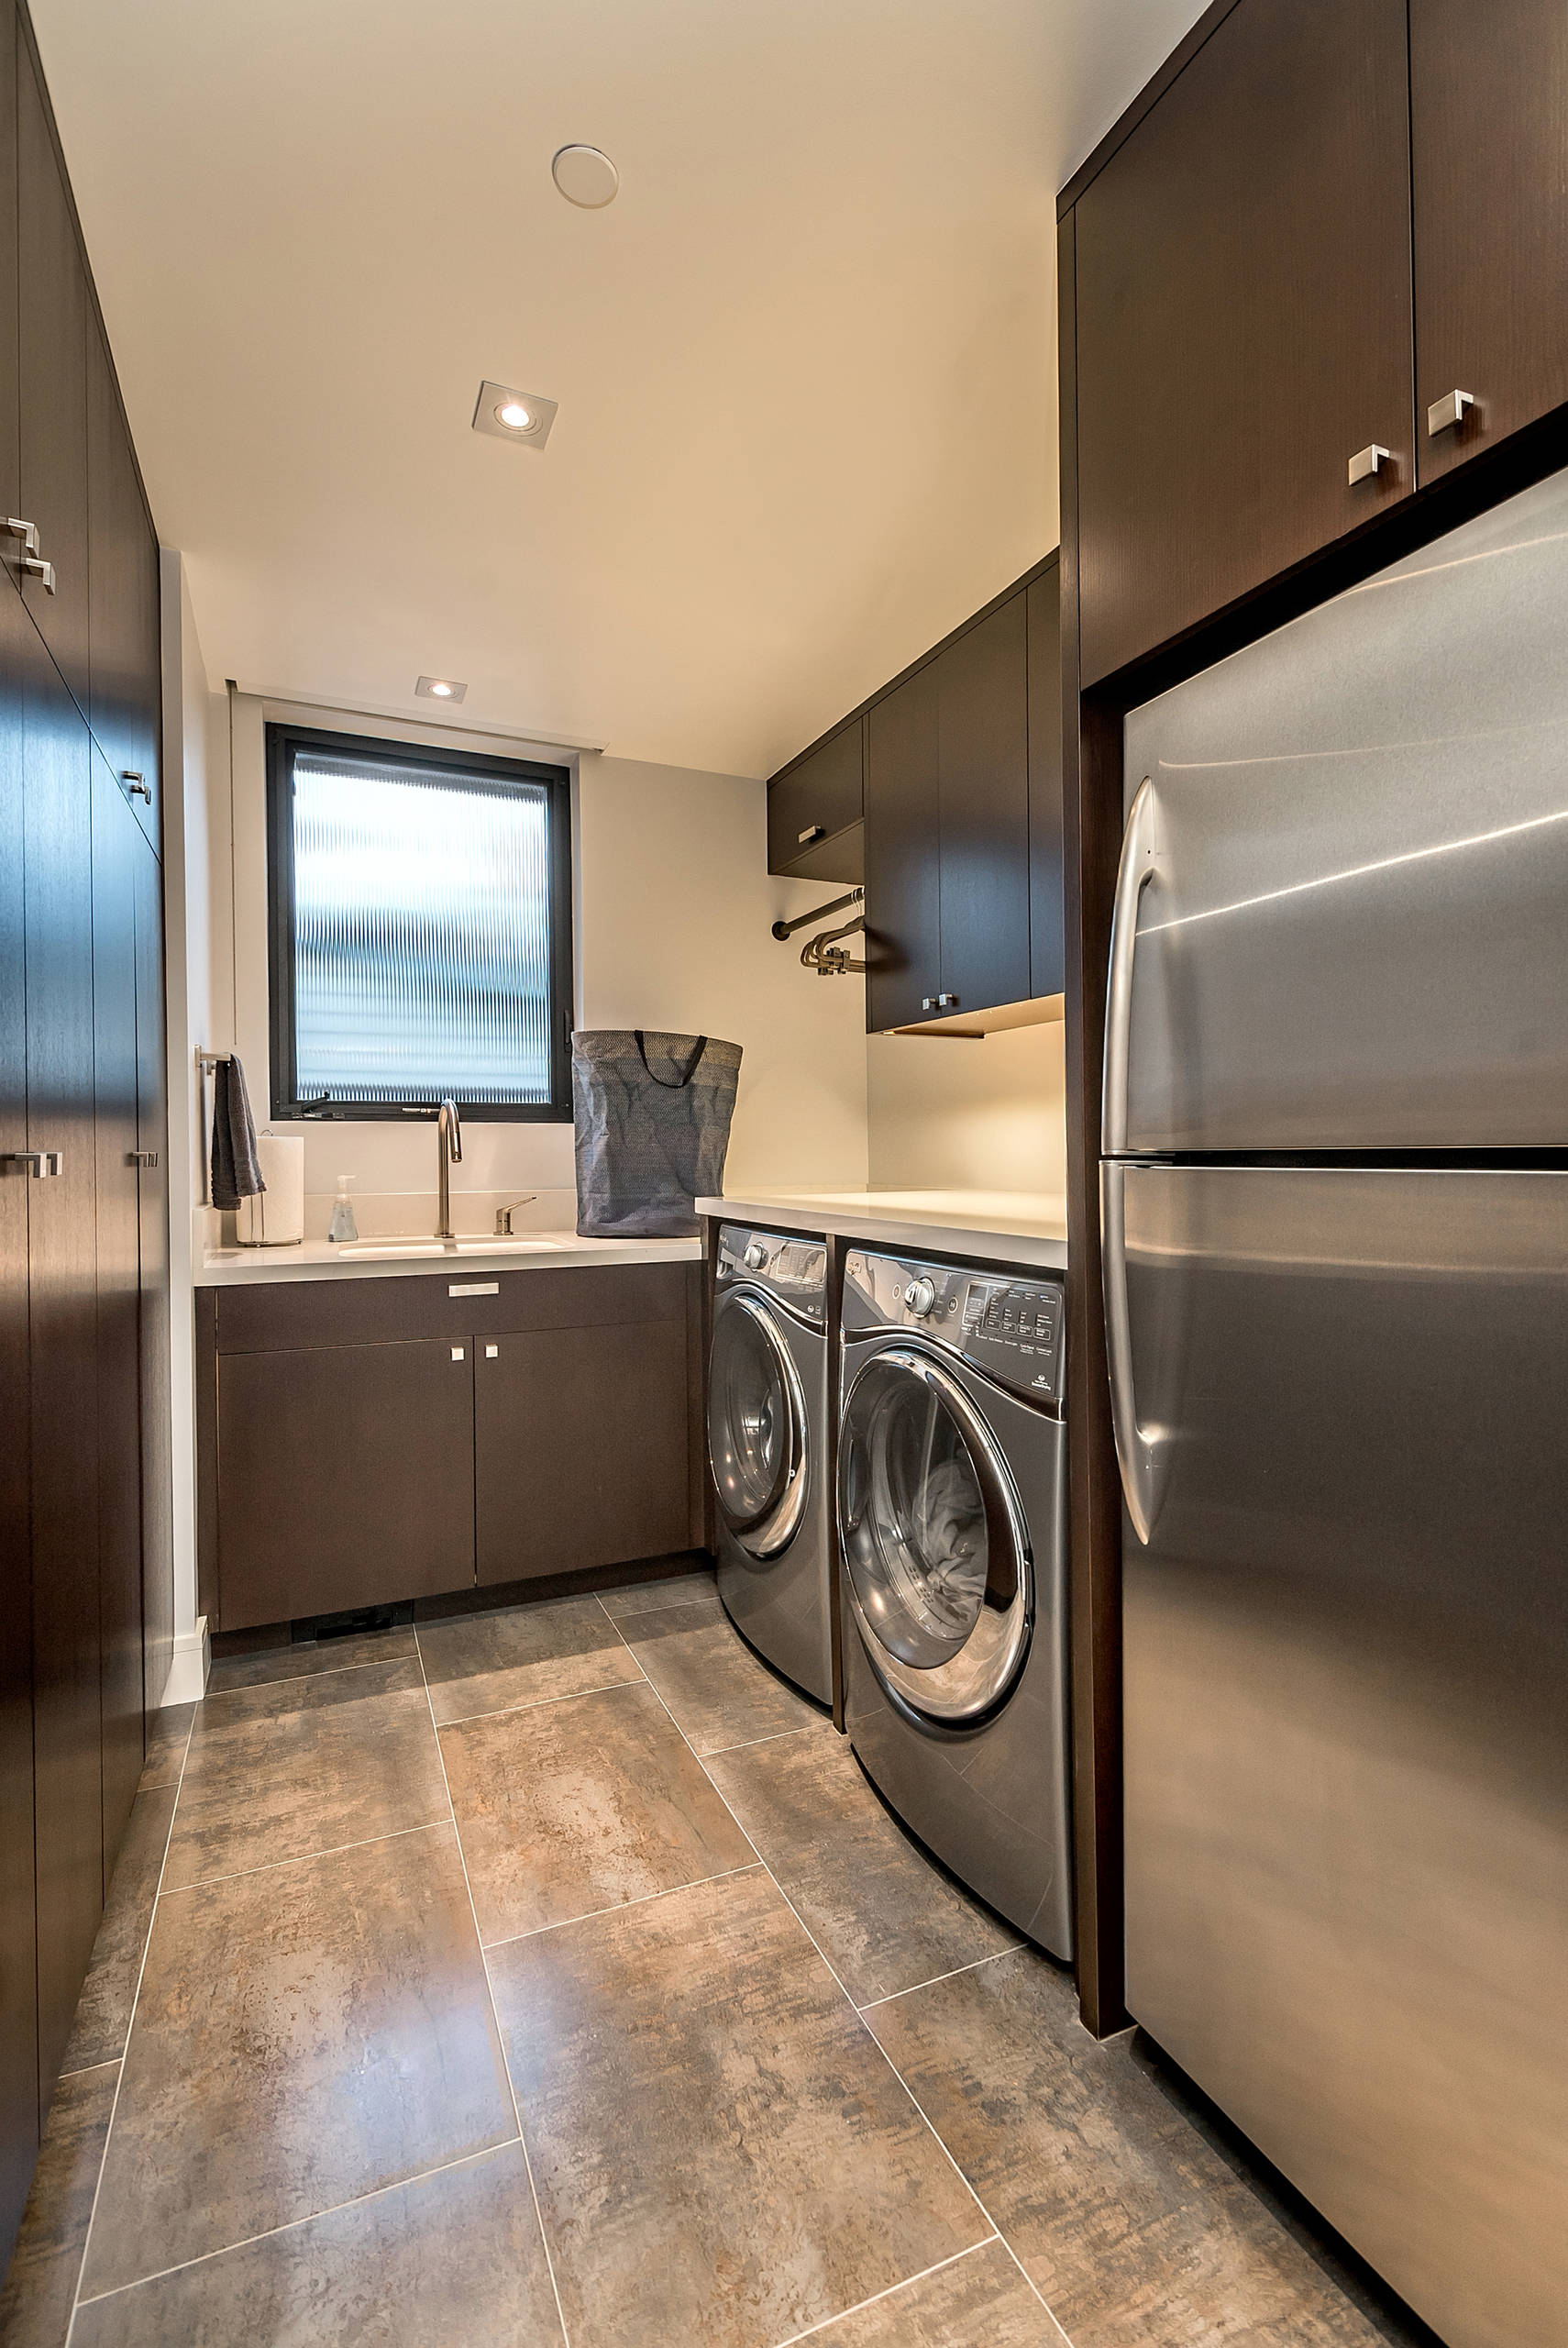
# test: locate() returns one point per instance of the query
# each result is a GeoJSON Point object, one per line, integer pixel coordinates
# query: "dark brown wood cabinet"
{"type": "Point", "coordinates": [52, 307]}
{"type": "Point", "coordinates": [153, 1272]}
{"type": "Point", "coordinates": [1243, 265]}
{"type": "Point", "coordinates": [904, 894]}
{"type": "Point", "coordinates": [580, 1447]}
{"type": "Point", "coordinates": [367, 1441]}
{"type": "Point", "coordinates": [1489, 164]}
{"type": "Point", "coordinates": [124, 707]}
{"type": "Point", "coordinates": [814, 809]}
{"type": "Point", "coordinates": [983, 812]}
{"type": "Point", "coordinates": [1046, 944]}
{"type": "Point", "coordinates": [345, 1477]}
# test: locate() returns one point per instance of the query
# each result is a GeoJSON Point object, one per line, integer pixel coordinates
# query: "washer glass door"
{"type": "Point", "coordinates": [934, 1537]}
{"type": "Point", "coordinates": [756, 1426]}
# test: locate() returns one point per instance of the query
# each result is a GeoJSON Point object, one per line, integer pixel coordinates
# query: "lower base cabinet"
{"type": "Point", "coordinates": [581, 1448]}
{"type": "Point", "coordinates": [368, 1442]}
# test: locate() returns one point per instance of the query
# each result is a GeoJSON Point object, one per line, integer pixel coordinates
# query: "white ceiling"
{"type": "Point", "coordinates": [805, 362]}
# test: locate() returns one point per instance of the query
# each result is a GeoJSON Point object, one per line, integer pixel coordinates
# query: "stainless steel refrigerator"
{"type": "Point", "coordinates": [1334, 1209]}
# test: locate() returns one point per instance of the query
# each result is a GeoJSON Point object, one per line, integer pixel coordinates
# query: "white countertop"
{"type": "Point", "coordinates": [989, 1226]}
{"type": "Point", "coordinates": [376, 1258]}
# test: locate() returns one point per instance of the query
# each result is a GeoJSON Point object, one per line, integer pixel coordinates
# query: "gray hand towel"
{"type": "Point", "coordinates": [235, 1174]}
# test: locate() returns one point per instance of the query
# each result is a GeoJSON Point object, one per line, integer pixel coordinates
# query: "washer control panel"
{"type": "Point", "coordinates": [792, 1268]}
{"type": "Point", "coordinates": [1007, 1324]}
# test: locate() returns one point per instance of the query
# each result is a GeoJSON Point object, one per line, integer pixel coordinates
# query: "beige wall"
{"type": "Point", "coordinates": [946, 1114]}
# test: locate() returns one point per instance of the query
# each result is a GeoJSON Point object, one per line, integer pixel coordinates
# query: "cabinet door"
{"type": "Point", "coordinates": [1489, 165]}
{"type": "Point", "coordinates": [153, 1208]}
{"type": "Point", "coordinates": [903, 904]}
{"type": "Point", "coordinates": [10, 427]}
{"type": "Point", "coordinates": [1047, 949]}
{"type": "Point", "coordinates": [345, 1478]}
{"type": "Point", "coordinates": [122, 572]}
{"type": "Point", "coordinates": [62, 1283]}
{"type": "Point", "coordinates": [18, 1954]}
{"type": "Point", "coordinates": [117, 847]}
{"type": "Point", "coordinates": [1244, 318]}
{"type": "Point", "coordinates": [53, 311]}
{"type": "Point", "coordinates": [581, 1448]}
{"type": "Point", "coordinates": [983, 813]}
{"type": "Point", "coordinates": [815, 802]}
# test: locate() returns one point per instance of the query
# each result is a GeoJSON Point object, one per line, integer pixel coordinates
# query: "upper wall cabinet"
{"type": "Point", "coordinates": [1489, 151]}
{"type": "Point", "coordinates": [123, 588]}
{"type": "Point", "coordinates": [983, 813]}
{"type": "Point", "coordinates": [1048, 962]}
{"type": "Point", "coordinates": [52, 309]}
{"type": "Point", "coordinates": [1242, 266]}
{"type": "Point", "coordinates": [814, 809]}
{"type": "Point", "coordinates": [903, 890]}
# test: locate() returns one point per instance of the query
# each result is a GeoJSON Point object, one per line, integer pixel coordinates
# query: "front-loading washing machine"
{"type": "Point", "coordinates": [952, 1526]}
{"type": "Point", "coordinates": [769, 1385]}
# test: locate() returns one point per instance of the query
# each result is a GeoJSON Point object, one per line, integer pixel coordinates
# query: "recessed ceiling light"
{"type": "Point", "coordinates": [509, 414]}
{"type": "Point", "coordinates": [585, 176]}
{"type": "Point", "coordinates": [439, 689]}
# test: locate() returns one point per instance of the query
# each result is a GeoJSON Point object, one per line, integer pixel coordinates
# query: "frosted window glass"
{"type": "Point", "coordinates": [422, 933]}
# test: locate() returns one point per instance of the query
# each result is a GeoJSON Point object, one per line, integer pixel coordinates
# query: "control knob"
{"type": "Point", "coordinates": [920, 1297]}
{"type": "Point", "coordinates": [756, 1256]}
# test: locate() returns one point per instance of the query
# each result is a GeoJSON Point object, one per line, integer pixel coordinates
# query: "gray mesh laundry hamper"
{"type": "Point", "coordinates": [651, 1116]}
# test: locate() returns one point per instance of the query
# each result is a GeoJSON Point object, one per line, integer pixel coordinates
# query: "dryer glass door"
{"type": "Point", "coordinates": [933, 1536]}
{"type": "Point", "coordinates": [756, 1426]}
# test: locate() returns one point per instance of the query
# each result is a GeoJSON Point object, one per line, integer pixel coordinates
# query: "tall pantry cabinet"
{"type": "Point", "coordinates": [85, 1569]}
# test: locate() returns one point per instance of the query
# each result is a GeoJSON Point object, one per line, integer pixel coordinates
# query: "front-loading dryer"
{"type": "Point", "coordinates": [769, 1382]}
{"type": "Point", "coordinates": [952, 1526]}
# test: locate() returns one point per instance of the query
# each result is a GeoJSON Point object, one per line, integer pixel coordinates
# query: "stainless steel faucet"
{"type": "Point", "coordinates": [504, 1214]}
{"type": "Point", "coordinates": [449, 1152]}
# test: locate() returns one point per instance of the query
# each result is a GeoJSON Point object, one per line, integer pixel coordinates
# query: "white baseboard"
{"type": "Point", "coordinates": [193, 1663]}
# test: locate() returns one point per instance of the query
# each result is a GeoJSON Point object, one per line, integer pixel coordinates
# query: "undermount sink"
{"type": "Point", "coordinates": [386, 1249]}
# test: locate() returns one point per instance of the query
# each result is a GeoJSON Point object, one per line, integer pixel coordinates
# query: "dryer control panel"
{"type": "Point", "coordinates": [791, 1269]}
{"type": "Point", "coordinates": [1008, 1323]}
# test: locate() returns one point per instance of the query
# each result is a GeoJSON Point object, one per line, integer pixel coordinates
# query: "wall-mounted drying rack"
{"type": "Point", "coordinates": [822, 952]}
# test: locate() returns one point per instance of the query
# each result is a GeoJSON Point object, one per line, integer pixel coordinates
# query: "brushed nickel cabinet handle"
{"type": "Point", "coordinates": [147, 1158]}
{"type": "Point", "coordinates": [35, 567]}
{"type": "Point", "coordinates": [43, 1165]}
{"type": "Point", "coordinates": [27, 531]}
{"type": "Point", "coordinates": [1445, 413]}
{"type": "Point", "coordinates": [947, 1003]}
{"type": "Point", "coordinates": [1367, 462]}
{"type": "Point", "coordinates": [135, 787]}
{"type": "Point", "coordinates": [459, 1353]}
{"type": "Point", "coordinates": [812, 832]}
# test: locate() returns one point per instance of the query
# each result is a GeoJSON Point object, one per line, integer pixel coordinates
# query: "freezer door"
{"type": "Point", "coordinates": [1346, 1703]}
{"type": "Point", "coordinates": [1352, 938]}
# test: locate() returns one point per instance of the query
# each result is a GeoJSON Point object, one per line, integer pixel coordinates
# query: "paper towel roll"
{"type": "Point", "coordinates": [276, 1219]}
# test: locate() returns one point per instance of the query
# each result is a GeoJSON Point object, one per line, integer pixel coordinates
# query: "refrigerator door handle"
{"type": "Point", "coordinates": [1136, 1447]}
{"type": "Point", "coordinates": [1134, 875]}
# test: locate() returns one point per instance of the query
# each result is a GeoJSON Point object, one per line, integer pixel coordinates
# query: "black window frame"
{"type": "Point", "coordinates": [283, 741]}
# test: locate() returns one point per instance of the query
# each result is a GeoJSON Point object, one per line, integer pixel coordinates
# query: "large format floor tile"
{"type": "Point", "coordinates": [168, 1733]}
{"type": "Point", "coordinates": [716, 1689]}
{"type": "Point", "coordinates": [651, 1597]}
{"type": "Point", "coordinates": [979, 2301]}
{"type": "Point", "coordinates": [1137, 2232]}
{"type": "Point", "coordinates": [103, 2010]}
{"type": "Point", "coordinates": [454, 2257]}
{"type": "Point", "coordinates": [722, 2155]}
{"type": "Point", "coordinates": [522, 1654]}
{"type": "Point", "coordinates": [281, 1770]}
{"type": "Point", "coordinates": [304, 2034]}
{"type": "Point", "coordinates": [579, 1805]}
{"type": "Point", "coordinates": [35, 2307]}
{"type": "Point", "coordinates": [881, 1914]}
{"type": "Point", "coordinates": [306, 1658]}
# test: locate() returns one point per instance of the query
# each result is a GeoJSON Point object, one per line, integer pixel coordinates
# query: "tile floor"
{"type": "Point", "coordinates": [555, 1973]}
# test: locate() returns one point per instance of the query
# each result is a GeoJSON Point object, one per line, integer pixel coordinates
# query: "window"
{"type": "Point", "coordinates": [421, 930]}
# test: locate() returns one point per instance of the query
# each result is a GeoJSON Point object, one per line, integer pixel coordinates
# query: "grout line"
{"type": "Point", "coordinates": [495, 2015]}
{"type": "Point", "coordinates": [877, 2297]}
{"type": "Point", "coordinates": [294, 1678]}
{"type": "Point", "coordinates": [747, 1741]}
{"type": "Point", "coordinates": [619, 1907]}
{"type": "Point", "coordinates": [292, 2225]}
{"type": "Point", "coordinates": [1052, 2316]}
{"type": "Point", "coordinates": [870, 2033]}
{"type": "Point", "coordinates": [536, 1703]}
{"type": "Point", "coordinates": [131, 2026]}
{"type": "Point", "coordinates": [297, 1858]}
{"type": "Point", "coordinates": [973, 1966]}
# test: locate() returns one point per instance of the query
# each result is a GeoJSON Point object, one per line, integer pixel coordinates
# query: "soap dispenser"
{"type": "Point", "coordinates": [343, 1225]}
